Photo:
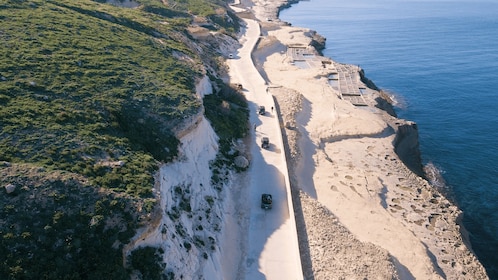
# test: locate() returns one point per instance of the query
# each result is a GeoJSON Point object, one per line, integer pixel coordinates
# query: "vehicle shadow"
{"type": "Point", "coordinates": [272, 148]}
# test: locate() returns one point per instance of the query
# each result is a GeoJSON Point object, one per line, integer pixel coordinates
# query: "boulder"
{"type": "Point", "coordinates": [10, 188]}
{"type": "Point", "coordinates": [241, 162]}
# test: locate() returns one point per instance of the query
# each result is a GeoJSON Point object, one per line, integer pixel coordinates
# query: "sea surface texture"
{"type": "Point", "coordinates": [439, 59]}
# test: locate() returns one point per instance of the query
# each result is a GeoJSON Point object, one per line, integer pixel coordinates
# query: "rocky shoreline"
{"type": "Point", "coordinates": [365, 209]}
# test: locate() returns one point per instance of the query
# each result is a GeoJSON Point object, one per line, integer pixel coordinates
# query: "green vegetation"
{"type": "Point", "coordinates": [148, 260]}
{"type": "Point", "coordinates": [211, 10]}
{"type": "Point", "coordinates": [79, 91]}
{"type": "Point", "coordinates": [228, 112]}
{"type": "Point", "coordinates": [90, 94]}
{"type": "Point", "coordinates": [53, 227]}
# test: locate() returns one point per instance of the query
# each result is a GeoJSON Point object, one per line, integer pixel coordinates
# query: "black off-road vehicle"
{"type": "Point", "coordinates": [265, 143]}
{"type": "Point", "coordinates": [266, 201]}
{"type": "Point", "coordinates": [261, 110]}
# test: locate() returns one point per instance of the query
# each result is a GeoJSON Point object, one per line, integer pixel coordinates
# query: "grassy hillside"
{"type": "Point", "coordinates": [89, 96]}
{"type": "Point", "coordinates": [86, 84]}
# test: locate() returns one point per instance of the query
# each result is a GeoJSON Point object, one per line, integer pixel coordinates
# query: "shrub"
{"type": "Point", "coordinates": [230, 122]}
{"type": "Point", "coordinates": [149, 262]}
{"type": "Point", "coordinates": [66, 236]}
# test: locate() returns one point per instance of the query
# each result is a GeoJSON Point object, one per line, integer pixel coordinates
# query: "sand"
{"type": "Point", "coordinates": [361, 212]}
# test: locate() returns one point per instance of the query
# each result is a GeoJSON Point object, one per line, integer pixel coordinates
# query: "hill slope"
{"type": "Point", "coordinates": [92, 97]}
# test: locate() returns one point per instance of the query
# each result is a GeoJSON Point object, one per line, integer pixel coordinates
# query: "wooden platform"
{"type": "Point", "coordinates": [347, 76]}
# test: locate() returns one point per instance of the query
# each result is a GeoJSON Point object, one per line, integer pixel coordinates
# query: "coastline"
{"type": "Point", "coordinates": [370, 186]}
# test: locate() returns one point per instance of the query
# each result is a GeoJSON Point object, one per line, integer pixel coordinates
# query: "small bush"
{"type": "Point", "coordinates": [187, 246]}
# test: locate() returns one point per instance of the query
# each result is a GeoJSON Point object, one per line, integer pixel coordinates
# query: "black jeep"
{"type": "Point", "coordinates": [265, 143]}
{"type": "Point", "coordinates": [261, 110]}
{"type": "Point", "coordinates": [266, 201]}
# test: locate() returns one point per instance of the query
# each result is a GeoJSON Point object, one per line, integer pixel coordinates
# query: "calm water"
{"type": "Point", "coordinates": [440, 59]}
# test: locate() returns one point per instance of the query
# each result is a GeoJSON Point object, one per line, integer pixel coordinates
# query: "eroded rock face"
{"type": "Point", "coordinates": [406, 146]}
{"type": "Point", "coordinates": [318, 42]}
{"type": "Point", "coordinates": [191, 219]}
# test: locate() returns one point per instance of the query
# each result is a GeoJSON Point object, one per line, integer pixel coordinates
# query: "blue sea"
{"type": "Point", "coordinates": [440, 61]}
